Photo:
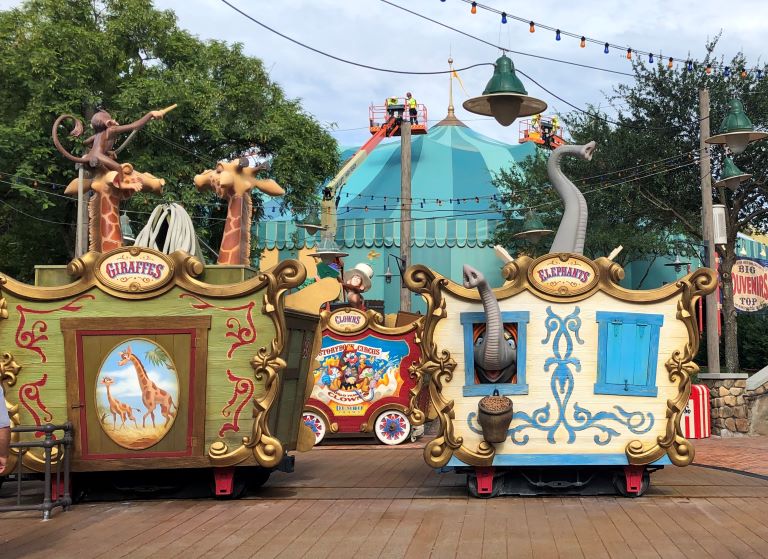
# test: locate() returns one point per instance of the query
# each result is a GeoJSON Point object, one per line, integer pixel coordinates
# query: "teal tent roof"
{"type": "Point", "coordinates": [451, 191]}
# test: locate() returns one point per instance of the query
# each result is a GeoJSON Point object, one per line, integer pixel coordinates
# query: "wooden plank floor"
{"type": "Point", "coordinates": [384, 502]}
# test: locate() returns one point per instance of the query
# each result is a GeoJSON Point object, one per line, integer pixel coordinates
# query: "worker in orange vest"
{"type": "Point", "coordinates": [410, 102]}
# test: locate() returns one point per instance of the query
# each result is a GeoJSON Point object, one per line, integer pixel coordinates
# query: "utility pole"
{"type": "Point", "coordinates": [708, 234]}
{"type": "Point", "coordinates": [81, 233]}
{"type": "Point", "coordinates": [405, 207]}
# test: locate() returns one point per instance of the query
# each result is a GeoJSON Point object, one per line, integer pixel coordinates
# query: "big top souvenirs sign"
{"type": "Point", "coordinates": [750, 285]}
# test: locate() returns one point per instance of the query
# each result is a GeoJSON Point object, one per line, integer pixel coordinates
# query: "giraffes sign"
{"type": "Point", "coordinates": [151, 394]}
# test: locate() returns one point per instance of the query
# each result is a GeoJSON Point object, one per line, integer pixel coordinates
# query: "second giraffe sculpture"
{"type": "Point", "coordinates": [572, 231]}
{"type": "Point", "coordinates": [151, 394]}
{"type": "Point", "coordinates": [233, 182]}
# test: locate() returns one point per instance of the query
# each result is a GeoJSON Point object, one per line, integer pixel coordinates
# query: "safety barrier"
{"type": "Point", "coordinates": [61, 498]}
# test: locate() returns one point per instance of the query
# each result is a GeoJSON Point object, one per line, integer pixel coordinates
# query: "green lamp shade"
{"type": "Point", "coordinates": [533, 228]}
{"type": "Point", "coordinates": [731, 176]}
{"type": "Point", "coordinates": [505, 98]}
{"type": "Point", "coordinates": [736, 130]}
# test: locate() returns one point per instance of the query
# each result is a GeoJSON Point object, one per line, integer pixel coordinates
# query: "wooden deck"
{"type": "Point", "coordinates": [384, 502]}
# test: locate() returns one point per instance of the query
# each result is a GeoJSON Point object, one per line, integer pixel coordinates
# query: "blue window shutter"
{"type": "Point", "coordinates": [628, 350]}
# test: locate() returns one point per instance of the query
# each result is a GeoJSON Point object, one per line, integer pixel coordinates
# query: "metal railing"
{"type": "Point", "coordinates": [63, 447]}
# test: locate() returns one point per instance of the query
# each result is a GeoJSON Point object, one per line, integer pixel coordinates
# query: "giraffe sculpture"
{"type": "Point", "coordinates": [104, 208]}
{"type": "Point", "coordinates": [151, 394]}
{"type": "Point", "coordinates": [116, 407]}
{"type": "Point", "coordinates": [233, 181]}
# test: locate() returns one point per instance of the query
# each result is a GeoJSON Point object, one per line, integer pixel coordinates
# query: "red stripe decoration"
{"type": "Point", "coordinates": [695, 421]}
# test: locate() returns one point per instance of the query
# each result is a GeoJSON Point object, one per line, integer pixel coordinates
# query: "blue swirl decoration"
{"type": "Point", "coordinates": [562, 332]}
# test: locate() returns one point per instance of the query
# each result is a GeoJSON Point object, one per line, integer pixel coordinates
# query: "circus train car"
{"type": "Point", "coordinates": [160, 362]}
{"type": "Point", "coordinates": [560, 380]}
{"type": "Point", "coordinates": [363, 384]}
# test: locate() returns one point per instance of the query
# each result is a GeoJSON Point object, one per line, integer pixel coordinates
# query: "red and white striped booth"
{"type": "Point", "coordinates": [695, 421]}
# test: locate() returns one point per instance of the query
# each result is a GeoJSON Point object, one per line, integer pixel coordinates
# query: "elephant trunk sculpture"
{"type": "Point", "coordinates": [573, 227]}
{"type": "Point", "coordinates": [495, 359]}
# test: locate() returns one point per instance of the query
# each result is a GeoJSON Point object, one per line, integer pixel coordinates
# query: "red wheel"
{"type": "Point", "coordinates": [316, 423]}
{"type": "Point", "coordinates": [392, 427]}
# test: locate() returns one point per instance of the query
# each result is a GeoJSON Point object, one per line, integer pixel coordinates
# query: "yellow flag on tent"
{"type": "Point", "coordinates": [456, 75]}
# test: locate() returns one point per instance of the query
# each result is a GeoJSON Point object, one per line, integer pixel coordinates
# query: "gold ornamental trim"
{"type": "Point", "coordinates": [267, 365]}
{"type": "Point", "coordinates": [186, 270]}
{"type": "Point", "coordinates": [437, 367]}
{"type": "Point", "coordinates": [347, 320]}
{"type": "Point", "coordinates": [680, 367]}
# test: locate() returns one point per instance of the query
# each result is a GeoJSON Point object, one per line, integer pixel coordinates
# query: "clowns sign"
{"type": "Point", "coordinates": [750, 285]}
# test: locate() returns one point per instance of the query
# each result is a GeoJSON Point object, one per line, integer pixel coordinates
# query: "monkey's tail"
{"type": "Point", "coordinates": [76, 131]}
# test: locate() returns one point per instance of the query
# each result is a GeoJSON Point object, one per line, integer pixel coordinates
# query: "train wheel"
{"type": "Point", "coordinates": [392, 427]}
{"type": "Point", "coordinates": [620, 484]}
{"type": "Point", "coordinates": [316, 423]}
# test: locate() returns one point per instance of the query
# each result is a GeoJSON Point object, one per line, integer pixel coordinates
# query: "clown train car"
{"type": "Point", "coordinates": [363, 384]}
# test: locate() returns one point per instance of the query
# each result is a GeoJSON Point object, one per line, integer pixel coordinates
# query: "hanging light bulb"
{"type": "Point", "coordinates": [743, 73]}
{"type": "Point", "coordinates": [690, 66]}
{"type": "Point", "coordinates": [670, 63]}
{"type": "Point", "coordinates": [583, 42]}
{"type": "Point", "coordinates": [629, 54]}
{"type": "Point", "coordinates": [709, 69]}
{"type": "Point", "coordinates": [605, 50]}
{"type": "Point", "coordinates": [474, 8]}
{"type": "Point", "coordinates": [503, 17]}
{"type": "Point", "coordinates": [650, 58]}
{"type": "Point", "coordinates": [727, 71]}
{"type": "Point", "coordinates": [366, 208]}
{"type": "Point", "coordinates": [532, 27]}
{"type": "Point", "coordinates": [557, 35]}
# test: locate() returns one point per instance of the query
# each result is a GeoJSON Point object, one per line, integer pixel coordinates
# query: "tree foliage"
{"type": "Point", "coordinates": [643, 185]}
{"type": "Point", "coordinates": [127, 57]}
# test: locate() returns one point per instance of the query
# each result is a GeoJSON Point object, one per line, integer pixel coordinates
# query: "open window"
{"type": "Point", "coordinates": [628, 350]}
{"type": "Point", "coordinates": [473, 327]}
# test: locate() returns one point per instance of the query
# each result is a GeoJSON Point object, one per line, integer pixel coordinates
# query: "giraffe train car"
{"type": "Point", "coordinates": [160, 362]}
{"type": "Point", "coordinates": [559, 380]}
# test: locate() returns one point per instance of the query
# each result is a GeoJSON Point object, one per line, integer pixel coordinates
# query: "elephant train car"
{"type": "Point", "coordinates": [157, 369]}
{"type": "Point", "coordinates": [363, 384]}
{"type": "Point", "coordinates": [559, 380]}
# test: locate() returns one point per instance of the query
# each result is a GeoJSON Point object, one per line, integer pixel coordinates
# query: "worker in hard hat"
{"type": "Point", "coordinates": [555, 124]}
{"type": "Point", "coordinates": [410, 102]}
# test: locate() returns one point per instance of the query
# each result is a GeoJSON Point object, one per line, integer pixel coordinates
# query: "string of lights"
{"type": "Point", "coordinates": [687, 63]}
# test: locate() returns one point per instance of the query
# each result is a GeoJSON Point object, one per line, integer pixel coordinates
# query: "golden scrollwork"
{"type": "Point", "coordinates": [267, 366]}
{"type": "Point", "coordinates": [437, 368]}
{"type": "Point", "coordinates": [680, 367]}
{"type": "Point", "coordinates": [9, 371]}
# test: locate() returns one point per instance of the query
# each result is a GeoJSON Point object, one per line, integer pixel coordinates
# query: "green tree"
{"type": "Point", "coordinates": [643, 185]}
{"type": "Point", "coordinates": [127, 57]}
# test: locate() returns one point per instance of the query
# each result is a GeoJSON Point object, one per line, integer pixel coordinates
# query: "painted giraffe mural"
{"type": "Point", "coordinates": [118, 408]}
{"type": "Point", "coordinates": [233, 181]}
{"type": "Point", "coordinates": [151, 394]}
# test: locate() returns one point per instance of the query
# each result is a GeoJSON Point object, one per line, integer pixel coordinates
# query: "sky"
{"type": "Point", "coordinates": [375, 33]}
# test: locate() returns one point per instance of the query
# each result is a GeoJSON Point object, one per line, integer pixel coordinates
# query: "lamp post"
{"type": "Point", "coordinates": [736, 132]}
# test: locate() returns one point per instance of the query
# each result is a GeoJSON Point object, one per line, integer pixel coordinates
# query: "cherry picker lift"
{"type": "Point", "coordinates": [384, 121]}
{"type": "Point", "coordinates": [544, 131]}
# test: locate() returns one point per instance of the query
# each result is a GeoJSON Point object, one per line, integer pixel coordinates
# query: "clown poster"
{"type": "Point", "coordinates": [353, 375]}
